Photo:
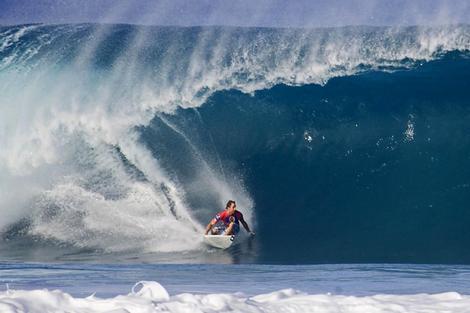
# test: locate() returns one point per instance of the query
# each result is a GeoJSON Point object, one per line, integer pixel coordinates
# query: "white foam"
{"type": "Point", "coordinates": [409, 134]}
{"type": "Point", "coordinates": [147, 296]}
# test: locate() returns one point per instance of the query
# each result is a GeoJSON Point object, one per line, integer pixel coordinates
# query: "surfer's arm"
{"type": "Point", "coordinates": [245, 225]}
{"type": "Point", "coordinates": [209, 227]}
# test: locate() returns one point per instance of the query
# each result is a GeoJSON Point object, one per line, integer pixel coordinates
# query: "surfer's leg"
{"type": "Point", "coordinates": [229, 229]}
{"type": "Point", "coordinates": [235, 229]}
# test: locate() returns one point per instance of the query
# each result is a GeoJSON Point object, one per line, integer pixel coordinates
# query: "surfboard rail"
{"type": "Point", "coordinates": [219, 241]}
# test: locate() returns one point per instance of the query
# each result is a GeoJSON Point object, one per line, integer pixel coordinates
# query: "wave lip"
{"type": "Point", "coordinates": [150, 296]}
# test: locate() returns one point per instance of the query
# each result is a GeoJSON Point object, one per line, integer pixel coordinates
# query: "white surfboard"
{"type": "Point", "coordinates": [219, 241]}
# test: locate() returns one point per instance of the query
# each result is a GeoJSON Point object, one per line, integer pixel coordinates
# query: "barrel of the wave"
{"type": "Point", "coordinates": [222, 230]}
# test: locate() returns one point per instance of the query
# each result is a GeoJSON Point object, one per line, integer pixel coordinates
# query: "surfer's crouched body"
{"type": "Point", "coordinates": [231, 218]}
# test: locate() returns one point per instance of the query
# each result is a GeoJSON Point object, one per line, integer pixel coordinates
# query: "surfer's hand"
{"type": "Point", "coordinates": [252, 233]}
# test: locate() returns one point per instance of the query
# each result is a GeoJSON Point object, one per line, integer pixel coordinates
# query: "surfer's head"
{"type": "Point", "coordinates": [231, 206]}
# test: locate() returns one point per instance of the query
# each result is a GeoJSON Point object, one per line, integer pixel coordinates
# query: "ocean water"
{"type": "Point", "coordinates": [341, 146]}
{"type": "Point", "coordinates": [110, 280]}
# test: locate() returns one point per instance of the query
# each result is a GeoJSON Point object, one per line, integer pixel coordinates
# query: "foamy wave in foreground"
{"type": "Point", "coordinates": [152, 297]}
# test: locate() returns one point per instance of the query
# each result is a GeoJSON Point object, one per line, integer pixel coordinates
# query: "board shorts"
{"type": "Point", "coordinates": [219, 230]}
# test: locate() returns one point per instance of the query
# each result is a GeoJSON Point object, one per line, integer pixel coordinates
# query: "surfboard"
{"type": "Point", "coordinates": [219, 241]}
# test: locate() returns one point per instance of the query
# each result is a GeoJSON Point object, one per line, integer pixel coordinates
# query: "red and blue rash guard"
{"type": "Point", "coordinates": [225, 218]}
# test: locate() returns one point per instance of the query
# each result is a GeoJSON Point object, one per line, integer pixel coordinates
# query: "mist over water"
{"type": "Point", "coordinates": [125, 140]}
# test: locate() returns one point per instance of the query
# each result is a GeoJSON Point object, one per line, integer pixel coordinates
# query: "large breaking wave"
{"type": "Point", "coordinates": [109, 142]}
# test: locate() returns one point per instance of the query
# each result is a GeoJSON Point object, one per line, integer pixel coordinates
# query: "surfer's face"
{"type": "Point", "coordinates": [232, 208]}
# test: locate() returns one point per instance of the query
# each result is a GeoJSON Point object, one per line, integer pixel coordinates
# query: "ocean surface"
{"type": "Point", "coordinates": [110, 280]}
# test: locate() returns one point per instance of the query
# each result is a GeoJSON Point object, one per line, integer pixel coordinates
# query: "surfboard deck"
{"type": "Point", "coordinates": [219, 241]}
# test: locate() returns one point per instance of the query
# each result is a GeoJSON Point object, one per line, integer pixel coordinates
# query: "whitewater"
{"type": "Point", "coordinates": [152, 297]}
{"type": "Point", "coordinates": [32, 287]}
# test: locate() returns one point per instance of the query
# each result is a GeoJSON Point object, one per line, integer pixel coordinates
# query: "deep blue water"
{"type": "Point", "coordinates": [332, 170]}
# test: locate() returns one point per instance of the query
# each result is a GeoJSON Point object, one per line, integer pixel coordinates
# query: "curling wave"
{"type": "Point", "coordinates": [88, 110]}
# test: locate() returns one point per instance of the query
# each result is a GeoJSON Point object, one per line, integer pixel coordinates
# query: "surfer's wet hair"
{"type": "Point", "coordinates": [229, 203]}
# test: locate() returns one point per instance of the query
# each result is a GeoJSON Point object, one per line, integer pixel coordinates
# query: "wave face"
{"type": "Point", "coordinates": [353, 141]}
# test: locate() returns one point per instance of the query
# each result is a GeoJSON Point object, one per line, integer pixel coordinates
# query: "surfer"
{"type": "Point", "coordinates": [231, 219]}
